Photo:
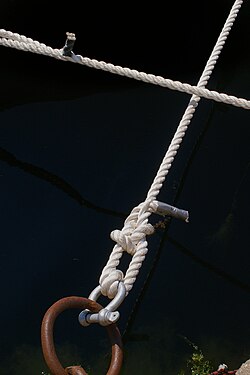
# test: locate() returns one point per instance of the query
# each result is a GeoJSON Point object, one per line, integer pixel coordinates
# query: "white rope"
{"type": "Point", "coordinates": [21, 42]}
{"type": "Point", "coordinates": [132, 237]}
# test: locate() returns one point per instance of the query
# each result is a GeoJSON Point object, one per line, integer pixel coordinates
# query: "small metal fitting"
{"type": "Point", "coordinates": [107, 315]}
{"type": "Point", "coordinates": [69, 44]}
{"type": "Point", "coordinates": [104, 317]}
{"type": "Point", "coordinates": [165, 209]}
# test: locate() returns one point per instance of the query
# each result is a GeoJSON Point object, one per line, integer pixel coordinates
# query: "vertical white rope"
{"type": "Point", "coordinates": [132, 238]}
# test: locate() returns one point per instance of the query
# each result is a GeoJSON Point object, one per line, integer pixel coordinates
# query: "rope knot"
{"type": "Point", "coordinates": [123, 240]}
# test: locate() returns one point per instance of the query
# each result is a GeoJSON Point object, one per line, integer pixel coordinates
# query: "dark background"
{"type": "Point", "coordinates": [172, 40]}
{"type": "Point", "coordinates": [80, 148]}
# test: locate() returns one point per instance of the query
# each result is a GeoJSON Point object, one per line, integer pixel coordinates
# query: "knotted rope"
{"type": "Point", "coordinates": [132, 237]}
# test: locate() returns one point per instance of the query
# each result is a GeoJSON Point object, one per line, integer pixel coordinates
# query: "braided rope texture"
{"type": "Point", "coordinates": [21, 42]}
{"type": "Point", "coordinates": [132, 237]}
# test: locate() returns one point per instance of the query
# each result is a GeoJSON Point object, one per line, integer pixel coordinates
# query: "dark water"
{"type": "Point", "coordinates": [73, 165]}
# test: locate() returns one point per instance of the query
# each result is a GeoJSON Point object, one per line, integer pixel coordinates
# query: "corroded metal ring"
{"type": "Point", "coordinates": [47, 339]}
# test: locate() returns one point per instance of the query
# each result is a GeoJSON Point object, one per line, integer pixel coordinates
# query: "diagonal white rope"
{"type": "Point", "coordinates": [21, 42]}
{"type": "Point", "coordinates": [132, 237]}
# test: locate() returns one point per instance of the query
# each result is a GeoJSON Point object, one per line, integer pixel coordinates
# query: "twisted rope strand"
{"type": "Point", "coordinates": [138, 219]}
{"type": "Point", "coordinates": [21, 42]}
{"type": "Point", "coordinates": [132, 237]}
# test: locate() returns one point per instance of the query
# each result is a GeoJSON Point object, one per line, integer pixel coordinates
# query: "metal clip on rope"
{"type": "Point", "coordinates": [47, 337]}
{"type": "Point", "coordinates": [69, 44]}
{"type": "Point", "coordinates": [107, 315]}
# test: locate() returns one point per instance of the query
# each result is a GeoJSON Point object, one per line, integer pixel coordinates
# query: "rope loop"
{"type": "Point", "coordinates": [132, 238]}
{"type": "Point", "coordinates": [109, 285]}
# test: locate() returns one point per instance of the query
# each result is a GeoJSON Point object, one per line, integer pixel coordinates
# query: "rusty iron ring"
{"type": "Point", "coordinates": [47, 338]}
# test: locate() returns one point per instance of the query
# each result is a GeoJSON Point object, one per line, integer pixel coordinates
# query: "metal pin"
{"type": "Point", "coordinates": [165, 209]}
{"type": "Point", "coordinates": [69, 44]}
